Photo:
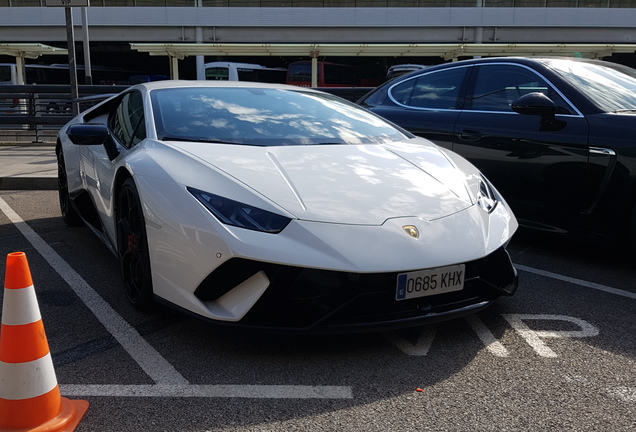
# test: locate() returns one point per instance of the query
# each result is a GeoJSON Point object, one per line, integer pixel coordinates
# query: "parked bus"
{"type": "Point", "coordinates": [329, 75]}
{"type": "Point", "coordinates": [8, 74]}
{"type": "Point", "coordinates": [60, 74]}
{"type": "Point", "coordinates": [229, 71]}
{"type": "Point", "coordinates": [53, 74]}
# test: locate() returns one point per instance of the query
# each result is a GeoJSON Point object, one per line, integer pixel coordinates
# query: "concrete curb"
{"type": "Point", "coordinates": [28, 166]}
{"type": "Point", "coordinates": [28, 183]}
{"type": "Point", "coordinates": [27, 144]}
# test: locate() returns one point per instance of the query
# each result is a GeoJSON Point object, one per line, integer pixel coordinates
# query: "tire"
{"type": "Point", "coordinates": [632, 230]}
{"type": "Point", "coordinates": [69, 214]}
{"type": "Point", "coordinates": [52, 108]}
{"type": "Point", "coordinates": [132, 247]}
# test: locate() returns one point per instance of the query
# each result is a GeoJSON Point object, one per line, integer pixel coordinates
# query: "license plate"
{"type": "Point", "coordinates": [429, 282]}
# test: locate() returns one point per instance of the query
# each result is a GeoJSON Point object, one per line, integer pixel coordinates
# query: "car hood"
{"type": "Point", "coordinates": [352, 184]}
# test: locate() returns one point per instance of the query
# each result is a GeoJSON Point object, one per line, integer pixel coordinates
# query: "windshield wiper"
{"type": "Point", "coordinates": [627, 110]}
{"type": "Point", "coordinates": [195, 139]}
{"type": "Point", "coordinates": [329, 143]}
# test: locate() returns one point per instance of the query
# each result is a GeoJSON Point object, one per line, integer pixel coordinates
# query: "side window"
{"type": "Point", "coordinates": [498, 86]}
{"type": "Point", "coordinates": [435, 90]}
{"type": "Point", "coordinates": [217, 73]}
{"type": "Point", "coordinates": [376, 98]}
{"type": "Point", "coordinates": [127, 122]}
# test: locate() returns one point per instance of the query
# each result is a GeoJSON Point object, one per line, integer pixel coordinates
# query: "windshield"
{"type": "Point", "coordinates": [611, 86]}
{"type": "Point", "coordinates": [265, 117]}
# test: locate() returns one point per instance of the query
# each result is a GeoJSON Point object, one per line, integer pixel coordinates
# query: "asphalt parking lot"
{"type": "Point", "coordinates": [559, 355]}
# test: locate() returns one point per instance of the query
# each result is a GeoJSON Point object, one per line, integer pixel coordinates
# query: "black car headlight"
{"type": "Point", "coordinates": [240, 215]}
{"type": "Point", "coordinates": [486, 195]}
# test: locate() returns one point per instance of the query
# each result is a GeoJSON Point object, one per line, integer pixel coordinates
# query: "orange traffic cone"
{"type": "Point", "coordinates": [30, 398]}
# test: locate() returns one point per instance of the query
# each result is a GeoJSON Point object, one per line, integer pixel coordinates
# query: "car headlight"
{"type": "Point", "coordinates": [240, 215]}
{"type": "Point", "coordinates": [486, 195]}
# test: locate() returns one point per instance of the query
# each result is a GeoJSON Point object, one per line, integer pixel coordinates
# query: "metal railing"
{"type": "Point", "coordinates": [343, 3]}
{"type": "Point", "coordinates": [34, 109]}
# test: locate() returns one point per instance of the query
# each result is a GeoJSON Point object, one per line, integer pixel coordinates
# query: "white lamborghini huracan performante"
{"type": "Point", "coordinates": [282, 208]}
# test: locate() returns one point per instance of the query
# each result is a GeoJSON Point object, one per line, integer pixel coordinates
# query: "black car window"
{"type": "Point", "coordinates": [497, 86]}
{"type": "Point", "coordinates": [435, 90]}
{"type": "Point", "coordinates": [376, 98]}
{"type": "Point", "coordinates": [127, 122]}
{"type": "Point", "coordinates": [611, 86]}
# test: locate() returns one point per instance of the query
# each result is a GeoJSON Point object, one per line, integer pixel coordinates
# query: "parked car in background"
{"type": "Point", "coordinates": [283, 207]}
{"type": "Point", "coordinates": [136, 79]}
{"type": "Point", "coordinates": [231, 71]}
{"type": "Point", "coordinates": [401, 69]}
{"type": "Point", "coordinates": [554, 135]}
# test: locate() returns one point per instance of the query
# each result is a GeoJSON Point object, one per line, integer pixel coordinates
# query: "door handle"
{"type": "Point", "coordinates": [469, 135]}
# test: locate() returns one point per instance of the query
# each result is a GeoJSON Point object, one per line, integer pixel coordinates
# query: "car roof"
{"type": "Point", "coordinates": [156, 85]}
{"type": "Point", "coordinates": [513, 59]}
{"type": "Point", "coordinates": [537, 62]}
{"type": "Point", "coordinates": [151, 86]}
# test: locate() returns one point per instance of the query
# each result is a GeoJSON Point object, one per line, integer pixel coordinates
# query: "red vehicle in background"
{"type": "Point", "coordinates": [329, 75]}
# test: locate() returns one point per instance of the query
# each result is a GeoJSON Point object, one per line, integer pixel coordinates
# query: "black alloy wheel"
{"type": "Point", "coordinates": [632, 230]}
{"type": "Point", "coordinates": [132, 247]}
{"type": "Point", "coordinates": [69, 214]}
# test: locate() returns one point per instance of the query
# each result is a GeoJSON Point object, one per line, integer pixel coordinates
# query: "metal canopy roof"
{"type": "Point", "coordinates": [30, 50]}
{"type": "Point", "coordinates": [446, 51]}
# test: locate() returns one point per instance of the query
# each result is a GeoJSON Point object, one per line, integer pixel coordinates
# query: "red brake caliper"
{"type": "Point", "coordinates": [132, 243]}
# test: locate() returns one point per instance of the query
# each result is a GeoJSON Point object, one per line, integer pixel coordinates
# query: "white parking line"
{"type": "Point", "coordinates": [576, 281]}
{"type": "Point", "coordinates": [169, 382]}
{"type": "Point", "coordinates": [486, 336]}
{"type": "Point", "coordinates": [534, 338]}
{"type": "Point", "coordinates": [210, 391]}
{"type": "Point", "coordinates": [141, 351]}
{"type": "Point", "coordinates": [419, 347]}
{"type": "Point", "coordinates": [626, 394]}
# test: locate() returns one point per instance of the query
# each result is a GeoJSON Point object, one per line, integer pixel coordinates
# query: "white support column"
{"type": "Point", "coordinates": [19, 63]}
{"type": "Point", "coordinates": [314, 67]}
{"type": "Point", "coordinates": [175, 56]}
{"type": "Point", "coordinates": [174, 68]}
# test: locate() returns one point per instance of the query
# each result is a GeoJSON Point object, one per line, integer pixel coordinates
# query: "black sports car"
{"type": "Point", "coordinates": [554, 135]}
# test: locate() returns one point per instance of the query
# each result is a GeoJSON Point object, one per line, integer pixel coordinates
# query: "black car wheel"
{"type": "Point", "coordinates": [132, 247]}
{"type": "Point", "coordinates": [632, 230]}
{"type": "Point", "coordinates": [69, 214]}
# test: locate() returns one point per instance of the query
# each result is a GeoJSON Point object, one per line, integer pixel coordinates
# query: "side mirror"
{"type": "Point", "coordinates": [93, 134]}
{"type": "Point", "coordinates": [87, 134]}
{"type": "Point", "coordinates": [536, 103]}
